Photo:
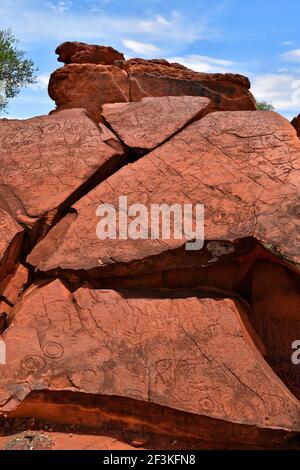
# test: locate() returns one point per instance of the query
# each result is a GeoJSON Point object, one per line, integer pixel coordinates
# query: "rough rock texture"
{"type": "Point", "coordinates": [81, 53]}
{"type": "Point", "coordinates": [3, 316]}
{"type": "Point", "coordinates": [275, 315]}
{"type": "Point", "coordinates": [138, 337]}
{"type": "Point", "coordinates": [243, 166]}
{"type": "Point", "coordinates": [296, 123]}
{"type": "Point", "coordinates": [89, 85]}
{"type": "Point", "coordinates": [13, 285]}
{"type": "Point", "coordinates": [168, 348]}
{"type": "Point", "coordinates": [11, 237]}
{"type": "Point", "coordinates": [160, 78]}
{"type": "Point", "coordinates": [46, 160]}
{"type": "Point", "coordinates": [146, 124]}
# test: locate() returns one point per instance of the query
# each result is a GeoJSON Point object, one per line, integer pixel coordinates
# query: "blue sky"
{"type": "Point", "coordinates": [258, 38]}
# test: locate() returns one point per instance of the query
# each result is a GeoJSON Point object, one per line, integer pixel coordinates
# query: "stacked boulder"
{"type": "Point", "coordinates": [141, 333]}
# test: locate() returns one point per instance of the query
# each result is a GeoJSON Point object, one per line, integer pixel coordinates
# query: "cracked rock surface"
{"type": "Point", "coordinates": [244, 168]}
{"type": "Point", "coordinates": [148, 123]}
{"type": "Point", "coordinates": [138, 335]}
{"type": "Point", "coordinates": [166, 348]}
{"type": "Point", "coordinates": [46, 159]}
{"type": "Point", "coordinates": [91, 83]}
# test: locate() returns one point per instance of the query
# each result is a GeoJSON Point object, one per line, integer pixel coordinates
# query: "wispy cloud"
{"type": "Point", "coordinates": [41, 82]}
{"type": "Point", "coordinates": [38, 23]}
{"type": "Point", "coordinates": [59, 7]}
{"type": "Point", "coordinates": [202, 63]}
{"type": "Point", "coordinates": [293, 55]}
{"type": "Point", "coordinates": [287, 43]}
{"type": "Point", "coordinates": [140, 47]}
{"type": "Point", "coordinates": [282, 90]}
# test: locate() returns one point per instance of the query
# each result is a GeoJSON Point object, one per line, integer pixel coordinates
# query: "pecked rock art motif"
{"type": "Point", "coordinates": [148, 123]}
{"type": "Point", "coordinates": [140, 334]}
{"type": "Point", "coordinates": [244, 168]}
{"type": "Point", "coordinates": [46, 159]}
{"type": "Point", "coordinates": [166, 347]}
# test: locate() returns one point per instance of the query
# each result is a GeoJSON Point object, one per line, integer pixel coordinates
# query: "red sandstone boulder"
{"type": "Point", "coordinates": [81, 53]}
{"type": "Point", "coordinates": [168, 348]}
{"type": "Point", "coordinates": [146, 124]}
{"type": "Point", "coordinates": [11, 237]}
{"type": "Point", "coordinates": [275, 315]}
{"type": "Point", "coordinates": [46, 160]}
{"type": "Point", "coordinates": [12, 286]}
{"type": "Point", "coordinates": [160, 78]}
{"type": "Point", "coordinates": [296, 123]}
{"type": "Point", "coordinates": [244, 168]}
{"type": "Point", "coordinates": [90, 86]}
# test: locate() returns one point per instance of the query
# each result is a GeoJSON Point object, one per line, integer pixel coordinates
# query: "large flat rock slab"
{"type": "Point", "coordinates": [163, 347]}
{"type": "Point", "coordinates": [146, 124]}
{"type": "Point", "coordinates": [242, 166]}
{"type": "Point", "coordinates": [45, 160]}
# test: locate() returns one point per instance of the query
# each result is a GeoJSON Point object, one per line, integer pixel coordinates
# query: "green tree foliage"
{"type": "Point", "coordinates": [15, 71]}
{"type": "Point", "coordinates": [264, 106]}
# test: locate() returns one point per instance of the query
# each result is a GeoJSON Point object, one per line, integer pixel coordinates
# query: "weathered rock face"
{"type": "Point", "coordinates": [275, 315]}
{"type": "Point", "coordinates": [12, 287]}
{"type": "Point", "coordinates": [140, 329]}
{"type": "Point", "coordinates": [244, 167]}
{"type": "Point", "coordinates": [148, 123]}
{"type": "Point", "coordinates": [160, 78]}
{"type": "Point", "coordinates": [46, 160]}
{"type": "Point", "coordinates": [90, 85]}
{"type": "Point", "coordinates": [81, 53]}
{"type": "Point", "coordinates": [168, 348]}
{"type": "Point", "coordinates": [11, 237]}
{"type": "Point", "coordinates": [296, 123]}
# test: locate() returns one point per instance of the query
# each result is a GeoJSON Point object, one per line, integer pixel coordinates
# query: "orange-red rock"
{"type": "Point", "coordinates": [146, 124]}
{"type": "Point", "coordinates": [160, 78]}
{"type": "Point", "coordinates": [12, 286]}
{"type": "Point", "coordinates": [296, 123]}
{"type": "Point", "coordinates": [11, 237]}
{"type": "Point", "coordinates": [275, 315]}
{"type": "Point", "coordinates": [90, 86]}
{"type": "Point", "coordinates": [168, 348]}
{"type": "Point", "coordinates": [47, 159]}
{"type": "Point", "coordinates": [82, 53]}
{"type": "Point", "coordinates": [244, 168]}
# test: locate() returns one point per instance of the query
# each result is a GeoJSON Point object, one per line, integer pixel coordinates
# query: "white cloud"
{"type": "Point", "coordinates": [282, 90]}
{"type": "Point", "coordinates": [38, 24]}
{"type": "Point", "coordinates": [202, 63]}
{"type": "Point", "coordinates": [287, 43]}
{"type": "Point", "coordinates": [59, 7]}
{"type": "Point", "coordinates": [140, 47]}
{"type": "Point", "coordinates": [293, 55]}
{"type": "Point", "coordinates": [41, 82]}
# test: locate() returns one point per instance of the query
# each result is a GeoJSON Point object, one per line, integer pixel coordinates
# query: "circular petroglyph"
{"type": "Point", "coordinates": [31, 364]}
{"type": "Point", "coordinates": [53, 350]}
{"type": "Point", "coordinates": [89, 375]}
{"type": "Point", "coordinates": [222, 217]}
